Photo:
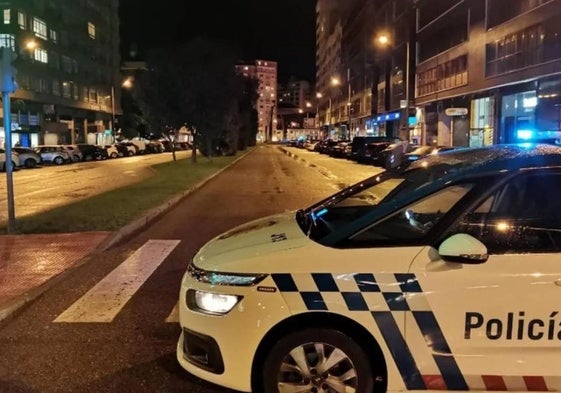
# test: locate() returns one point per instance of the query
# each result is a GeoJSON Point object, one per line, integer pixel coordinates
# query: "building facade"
{"type": "Point", "coordinates": [487, 73]}
{"type": "Point", "coordinates": [447, 72]}
{"type": "Point", "coordinates": [265, 71]}
{"type": "Point", "coordinates": [67, 61]}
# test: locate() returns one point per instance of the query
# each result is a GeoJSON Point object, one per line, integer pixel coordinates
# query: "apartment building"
{"type": "Point", "coordinates": [362, 83]}
{"type": "Point", "coordinates": [488, 73]}
{"type": "Point", "coordinates": [265, 71]}
{"type": "Point", "coordinates": [67, 70]}
{"type": "Point", "coordinates": [297, 93]}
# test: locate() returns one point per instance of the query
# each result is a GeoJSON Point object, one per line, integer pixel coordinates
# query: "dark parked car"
{"type": "Point", "coordinates": [372, 154]}
{"type": "Point", "coordinates": [360, 143]}
{"type": "Point", "coordinates": [339, 150]}
{"type": "Point", "coordinates": [92, 152]}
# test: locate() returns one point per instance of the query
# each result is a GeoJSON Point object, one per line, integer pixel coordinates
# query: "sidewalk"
{"type": "Point", "coordinates": [29, 263]}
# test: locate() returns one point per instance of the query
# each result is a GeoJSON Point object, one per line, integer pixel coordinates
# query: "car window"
{"type": "Point", "coordinates": [411, 224]}
{"type": "Point", "coordinates": [523, 216]}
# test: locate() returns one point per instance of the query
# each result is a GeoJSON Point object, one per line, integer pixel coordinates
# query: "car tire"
{"type": "Point", "coordinates": [58, 160]}
{"type": "Point", "coordinates": [280, 367]}
{"type": "Point", "coordinates": [30, 163]}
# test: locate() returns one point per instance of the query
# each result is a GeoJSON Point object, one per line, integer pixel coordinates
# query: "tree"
{"type": "Point", "coordinates": [196, 85]}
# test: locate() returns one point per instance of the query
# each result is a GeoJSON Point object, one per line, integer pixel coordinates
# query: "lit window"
{"type": "Point", "coordinates": [41, 55]}
{"type": "Point", "coordinates": [8, 41]}
{"type": "Point", "coordinates": [22, 20]}
{"type": "Point", "coordinates": [40, 28]}
{"type": "Point", "coordinates": [53, 36]}
{"type": "Point", "coordinates": [91, 30]}
{"type": "Point", "coordinates": [7, 17]}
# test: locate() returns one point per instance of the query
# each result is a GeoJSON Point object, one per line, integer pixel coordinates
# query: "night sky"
{"type": "Point", "coordinates": [282, 31]}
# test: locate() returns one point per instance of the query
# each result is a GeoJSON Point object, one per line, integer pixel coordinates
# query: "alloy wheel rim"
{"type": "Point", "coordinates": [317, 368]}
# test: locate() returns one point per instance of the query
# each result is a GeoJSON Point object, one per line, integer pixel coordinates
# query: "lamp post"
{"type": "Point", "coordinates": [384, 40]}
{"type": "Point", "coordinates": [335, 81]}
{"type": "Point", "coordinates": [349, 102]}
{"type": "Point", "coordinates": [113, 113]}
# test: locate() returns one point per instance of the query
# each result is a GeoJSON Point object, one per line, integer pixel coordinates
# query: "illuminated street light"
{"type": "Point", "coordinates": [384, 40]}
{"type": "Point", "coordinates": [127, 83]}
{"type": "Point", "coordinates": [30, 44]}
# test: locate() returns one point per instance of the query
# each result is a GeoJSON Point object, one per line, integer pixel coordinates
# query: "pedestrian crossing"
{"type": "Point", "coordinates": [105, 300]}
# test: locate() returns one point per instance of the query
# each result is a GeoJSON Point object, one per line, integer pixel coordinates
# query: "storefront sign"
{"type": "Point", "coordinates": [456, 111]}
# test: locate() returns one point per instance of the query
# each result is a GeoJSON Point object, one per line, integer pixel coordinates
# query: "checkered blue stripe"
{"type": "Point", "coordinates": [399, 293]}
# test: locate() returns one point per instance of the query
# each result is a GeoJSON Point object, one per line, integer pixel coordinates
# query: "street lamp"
{"type": "Point", "coordinates": [384, 40]}
{"type": "Point", "coordinates": [349, 101]}
{"type": "Point", "coordinates": [318, 97]}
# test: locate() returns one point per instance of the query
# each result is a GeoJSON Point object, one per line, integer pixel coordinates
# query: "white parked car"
{"type": "Point", "coordinates": [15, 160]}
{"type": "Point", "coordinates": [73, 152]}
{"type": "Point", "coordinates": [445, 276]}
{"type": "Point", "coordinates": [112, 151]}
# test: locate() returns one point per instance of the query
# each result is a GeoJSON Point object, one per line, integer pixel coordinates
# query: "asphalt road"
{"type": "Point", "coordinates": [53, 345]}
{"type": "Point", "coordinates": [50, 186]}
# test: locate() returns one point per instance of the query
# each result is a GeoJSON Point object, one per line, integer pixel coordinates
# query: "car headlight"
{"type": "Point", "coordinates": [219, 278]}
{"type": "Point", "coordinates": [210, 302]}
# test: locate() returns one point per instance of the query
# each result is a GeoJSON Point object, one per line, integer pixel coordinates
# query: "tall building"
{"type": "Point", "coordinates": [67, 70]}
{"type": "Point", "coordinates": [265, 71]}
{"type": "Point", "coordinates": [487, 72]}
{"type": "Point", "coordinates": [296, 93]}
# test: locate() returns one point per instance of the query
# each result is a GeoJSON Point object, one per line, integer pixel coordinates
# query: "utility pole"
{"type": "Point", "coordinates": [8, 86]}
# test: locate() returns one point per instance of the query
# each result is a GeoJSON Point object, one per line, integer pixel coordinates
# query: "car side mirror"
{"type": "Point", "coordinates": [463, 248]}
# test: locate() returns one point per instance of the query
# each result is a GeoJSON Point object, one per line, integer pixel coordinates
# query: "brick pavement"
{"type": "Point", "coordinates": [28, 263]}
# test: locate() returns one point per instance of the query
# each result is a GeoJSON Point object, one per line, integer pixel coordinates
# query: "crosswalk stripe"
{"type": "Point", "coordinates": [104, 301]}
{"type": "Point", "coordinates": [173, 317]}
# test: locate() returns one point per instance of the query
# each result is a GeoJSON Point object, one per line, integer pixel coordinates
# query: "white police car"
{"type": "Point", "coordinates": [446, 276]}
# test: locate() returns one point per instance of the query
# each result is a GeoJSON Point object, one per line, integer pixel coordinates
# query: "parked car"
{"type": "Point", "coordinates": [392, 156]}
{"type": "Point", "coordinates": [155, 147]}
{"type": "Point", "coordinates": [310, 144]}
{"type": "Point", "coordinates": [74, 153]}
{"type": "Point", "coordinates": [127, 149]}
{"type": "Point", "coordinates": [112, 151]}
{"type": "Point", "coordinates": [28, 158]}
{"type": "Point", "coordinates": [92, 152]}
{"type": "Point", "coordinates": [372, 154]}
{"type": "Point", "coordinates": [340, 150]}
{"type": "Point", "coordinates": [360, 143]}
{"type": "Point", "coordinates": [55, 154]}
{"type": "Point", "coordinates": [15, 159]}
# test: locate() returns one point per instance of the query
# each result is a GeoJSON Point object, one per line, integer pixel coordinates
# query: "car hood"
{"type": "Point", "coordinates": [255, 239]}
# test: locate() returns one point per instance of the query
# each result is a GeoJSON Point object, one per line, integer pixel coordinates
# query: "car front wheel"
{"type": "Point", "coordinates": [30, 163]}
{"type": "Point", "coordinates": [315, 361]}
{"type": "Point", "coordinates": [58, 160]}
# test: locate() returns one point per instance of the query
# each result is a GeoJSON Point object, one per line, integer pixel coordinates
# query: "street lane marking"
{"type": "Point", "coordinates": [173, 317]}
{"type": "Point", "coordinates": [104, 301]}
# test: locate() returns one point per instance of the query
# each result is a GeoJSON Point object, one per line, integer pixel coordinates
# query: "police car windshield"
{"type": "Point", "coordinates": [387, 188]}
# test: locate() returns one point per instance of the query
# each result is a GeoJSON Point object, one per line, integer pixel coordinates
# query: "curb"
{"type": "Point", "coordinates": [320, 169]}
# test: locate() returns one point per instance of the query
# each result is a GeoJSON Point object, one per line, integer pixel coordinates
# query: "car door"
{"type": "Point", "coordinates": [496, 325]}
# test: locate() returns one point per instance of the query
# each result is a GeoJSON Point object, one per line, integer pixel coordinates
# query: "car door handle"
{"type": "Point", "coordinates": [558, 282]}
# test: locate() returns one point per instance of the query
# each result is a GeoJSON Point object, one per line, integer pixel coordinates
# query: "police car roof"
{"type": "Point", "coordinates": [494, 158]}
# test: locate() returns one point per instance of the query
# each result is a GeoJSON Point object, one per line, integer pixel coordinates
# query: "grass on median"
{"type": "Point", "coordinates": [113, 209]}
